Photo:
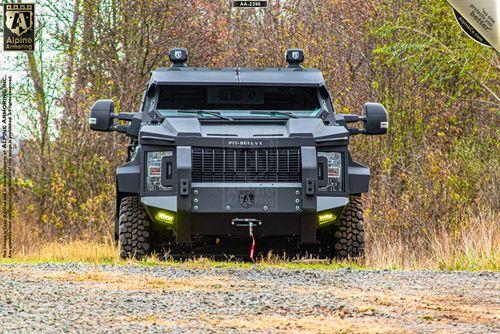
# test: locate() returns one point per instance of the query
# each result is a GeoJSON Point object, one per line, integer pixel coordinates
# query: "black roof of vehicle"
{"type": "Point", "coordinates": [296, 76]}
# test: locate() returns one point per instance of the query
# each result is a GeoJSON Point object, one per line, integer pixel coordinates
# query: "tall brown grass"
{"type": "Point", "coordinates": [474, 246]}
{"type": "Point", "coordinates": [71, 251]}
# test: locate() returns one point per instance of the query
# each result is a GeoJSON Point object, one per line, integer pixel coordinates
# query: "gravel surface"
{"type": "Point", "coordinates": [122, 299]}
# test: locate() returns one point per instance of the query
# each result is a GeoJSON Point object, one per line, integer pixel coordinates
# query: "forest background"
{"type": "Point", "coordinates": [434, 191]}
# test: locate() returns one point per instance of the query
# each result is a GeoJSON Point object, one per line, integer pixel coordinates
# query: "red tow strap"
{"type": "Point", "coordinates": [252, 248]}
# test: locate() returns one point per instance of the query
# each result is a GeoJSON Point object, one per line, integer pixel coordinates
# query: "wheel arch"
{"type": "Point", "coordinates": [127, 183]}
{"type": "Point", "coordinates": [359, 177]}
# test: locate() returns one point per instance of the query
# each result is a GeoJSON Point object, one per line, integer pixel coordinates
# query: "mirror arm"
{"type": "Point", "coordinates": [120, 128]}
{"type": "Point", "coordinates": [375, 120]}
{"type": "Point", "coordinates": [132, 128]}
{"type": "Point", "coordinates": [356, 131]}
{"type": "Point", "coordinates": [352, 118]}
{"type": "Point", "coordinates": [124, 116]}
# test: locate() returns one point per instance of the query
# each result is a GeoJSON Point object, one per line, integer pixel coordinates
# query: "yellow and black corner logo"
{"type": "Point", "coordinates": [19, 27]}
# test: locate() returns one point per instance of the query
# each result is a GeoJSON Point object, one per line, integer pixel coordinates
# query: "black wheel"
{"type": "Point", "coordinates": [349, 236]}
{"type": "Point", "coordinates": [134, 229]}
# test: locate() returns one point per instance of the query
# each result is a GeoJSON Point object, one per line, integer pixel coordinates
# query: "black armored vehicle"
{"type": "Point", "coordinates": [222, 154]}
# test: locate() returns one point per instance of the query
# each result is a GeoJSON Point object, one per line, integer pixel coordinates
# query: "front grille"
{"type": "Point", "coordinates": [246, 165]}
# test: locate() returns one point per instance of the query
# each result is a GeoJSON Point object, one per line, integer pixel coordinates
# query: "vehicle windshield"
{"type": "Point", "coordinates": [255, 101]}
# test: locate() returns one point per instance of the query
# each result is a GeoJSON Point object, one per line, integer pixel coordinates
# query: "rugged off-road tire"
{"type": "Point", "coordinates": [349, 236]}
{"type": "Point", "coordinates": [134, 229]}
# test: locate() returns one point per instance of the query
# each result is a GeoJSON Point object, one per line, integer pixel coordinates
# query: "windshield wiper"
{"type": "Point", "coordinates": [273, 113]}
{"type": "Point", "coordinates": [204, 112]}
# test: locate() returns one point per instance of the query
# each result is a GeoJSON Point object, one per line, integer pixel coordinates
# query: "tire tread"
{"type": "Point", "coordinates": [134, 225]}
{"type": "Point", "coordinates": [350, 242]}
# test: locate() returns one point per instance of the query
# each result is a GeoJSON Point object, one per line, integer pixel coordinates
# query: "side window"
{"type": "Point", "coordinates": [143, 102]}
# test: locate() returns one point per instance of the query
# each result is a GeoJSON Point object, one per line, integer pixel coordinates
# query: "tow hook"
{"type": "Point", "coordinates": [250, 223]}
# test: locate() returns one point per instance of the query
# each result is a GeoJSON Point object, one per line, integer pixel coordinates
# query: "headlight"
{"type": "Point", "coordinates": [333, 171]}
{"type": "Point", "coordinates": [153, 170]}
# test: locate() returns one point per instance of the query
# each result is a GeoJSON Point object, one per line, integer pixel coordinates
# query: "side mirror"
{"type": "Point", "coordinates": [376, 119]}
{"type": "Point", "coordinates": [101, 115]}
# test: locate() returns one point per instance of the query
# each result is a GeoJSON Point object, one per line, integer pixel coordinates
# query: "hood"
{"type": "Point", "coordinates": [176, 128]}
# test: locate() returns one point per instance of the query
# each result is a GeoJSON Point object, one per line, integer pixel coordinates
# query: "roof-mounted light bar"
{"type": "Point", "coordinates": [178, 57]}
{"type": "Point", "coordinates": [294, 57]}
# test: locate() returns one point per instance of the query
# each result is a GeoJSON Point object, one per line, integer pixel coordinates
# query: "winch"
{"type": "Point", "coordinates": [250, 223]}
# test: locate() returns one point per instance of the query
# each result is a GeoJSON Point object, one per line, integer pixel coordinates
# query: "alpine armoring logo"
{"type": "Point", "coordinates": [19, 27]}
{"type": "Point", "coordinates": [247, 199]}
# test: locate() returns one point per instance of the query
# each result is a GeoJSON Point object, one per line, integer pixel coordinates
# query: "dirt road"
{"type": "Point", "coordinates": [121, 299]}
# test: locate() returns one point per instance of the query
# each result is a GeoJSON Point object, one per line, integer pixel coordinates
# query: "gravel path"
{"type": "Point", "coordinates": [122, 299]}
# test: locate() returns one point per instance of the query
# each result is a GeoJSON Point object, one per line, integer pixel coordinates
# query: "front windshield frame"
{"type": "Point", "coordinates": [235, 113]}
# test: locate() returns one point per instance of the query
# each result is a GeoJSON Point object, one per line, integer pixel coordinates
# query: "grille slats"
{"type": "Point", "coordinates": [246, 165]}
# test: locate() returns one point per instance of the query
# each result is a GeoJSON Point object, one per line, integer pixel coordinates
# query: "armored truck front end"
{"type": "Point", "coordinates": [229, 153]}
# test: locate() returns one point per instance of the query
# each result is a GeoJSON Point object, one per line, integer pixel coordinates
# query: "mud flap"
{"type": "Point", "coordinates": [117, 229]}
{"type": "Point", "coordinates": [308, 228]}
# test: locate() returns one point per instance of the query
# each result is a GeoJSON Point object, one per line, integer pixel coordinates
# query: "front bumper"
{"type": "Point", "coordinates": [211, 209]}
{"type": "Point", "coordinates": [169, 203]}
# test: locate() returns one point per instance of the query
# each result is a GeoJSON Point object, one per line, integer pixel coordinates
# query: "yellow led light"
{"type": "Point", "coordinates": [326, 217]}
{"type": "Point", "coordinates": [164, 217]}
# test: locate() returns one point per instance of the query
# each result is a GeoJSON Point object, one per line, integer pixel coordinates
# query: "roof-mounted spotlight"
{"type": "Point", "coordinates": [294, 57]}
{"type": "Point", "coordinates": [178, 57]}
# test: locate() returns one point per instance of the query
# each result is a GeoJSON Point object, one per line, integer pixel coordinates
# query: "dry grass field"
{"type": "Point", "coordinates": [475, 248]}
